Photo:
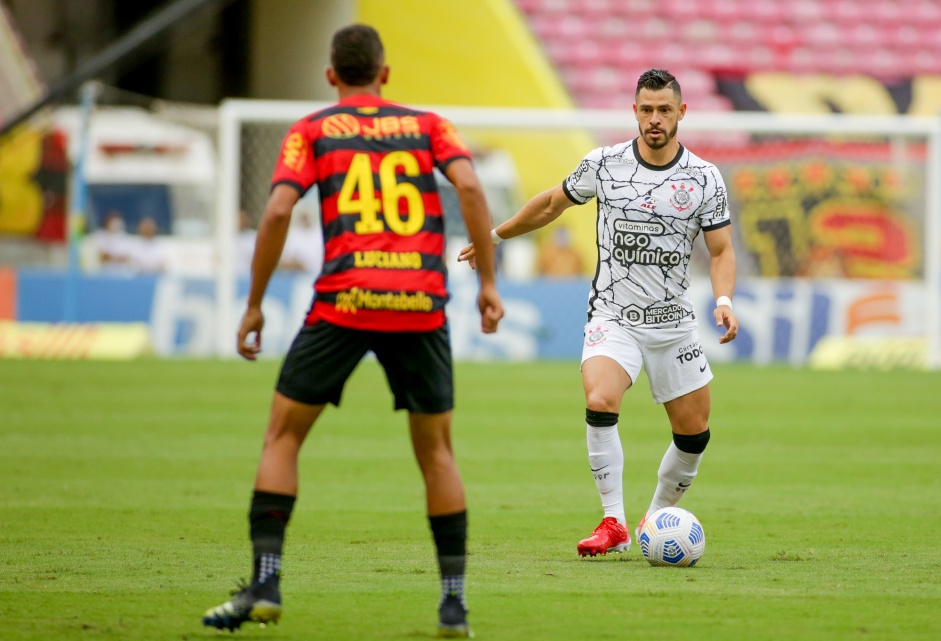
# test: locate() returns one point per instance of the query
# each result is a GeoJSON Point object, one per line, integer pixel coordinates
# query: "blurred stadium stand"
{"type": "Point", "coordinates": [601, 46]}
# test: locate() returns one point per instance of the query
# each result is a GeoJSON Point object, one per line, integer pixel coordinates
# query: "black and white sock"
{"type": "Point", "coordinates": [450, 536]}
{"type": "Point", "coordinates": [678, 468]}
{"type": "Point", "coordinates": [268, 519]}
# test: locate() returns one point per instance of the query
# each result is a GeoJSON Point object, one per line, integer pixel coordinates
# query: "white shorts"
{"type": "Point", "coordinates": [673, 357]}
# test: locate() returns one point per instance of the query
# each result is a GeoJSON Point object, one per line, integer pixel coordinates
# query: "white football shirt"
{"type": "Point", "coordinates": [648, 217]}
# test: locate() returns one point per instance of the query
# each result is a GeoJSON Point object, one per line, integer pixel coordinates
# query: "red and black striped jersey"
{"type": "Point", "coordinates": [373, 161]}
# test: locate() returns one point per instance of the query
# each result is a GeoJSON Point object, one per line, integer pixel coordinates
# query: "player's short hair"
{"type": "Point", "coordinates": [356, 54]}
{"type": "Point", "coordinates": [657, 79]}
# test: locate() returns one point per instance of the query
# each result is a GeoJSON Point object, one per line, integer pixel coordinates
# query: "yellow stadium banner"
{"type": "Point", "coordinates": [60, 341]}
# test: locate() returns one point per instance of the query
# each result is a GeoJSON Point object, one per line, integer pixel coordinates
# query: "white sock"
{"type": "Point", "coordinates": [676, 474]}
{"type": "Point", "coordinates": [606, 459]}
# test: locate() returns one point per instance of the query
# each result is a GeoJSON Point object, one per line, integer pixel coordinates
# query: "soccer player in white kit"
{"type": "Point", "coordinates": [654, 197]}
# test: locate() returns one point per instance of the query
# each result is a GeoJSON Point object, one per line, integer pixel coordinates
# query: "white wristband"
{"type": "Point", "coordinates": [493, 236]}
{"type": "Point", "coordinates": [723, 300]}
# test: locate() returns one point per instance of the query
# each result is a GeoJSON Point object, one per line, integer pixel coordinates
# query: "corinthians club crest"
{"type": "Point", "coordinates": [595, 336]}
{"type": "Point", "coordinates": [681, 199]}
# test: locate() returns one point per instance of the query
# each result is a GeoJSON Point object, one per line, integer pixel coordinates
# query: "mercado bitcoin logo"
{"type": "Point", "coordinates": [293, 152]}
{"type": "Point", "coordinates": [340, 126]}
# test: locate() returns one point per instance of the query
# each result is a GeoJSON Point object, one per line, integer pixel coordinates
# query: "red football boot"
{"type": "Point", "coordinates": [610, 536]}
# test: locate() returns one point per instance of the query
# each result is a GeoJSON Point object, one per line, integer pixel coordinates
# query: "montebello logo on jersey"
{"type": "Point", "coordinates": [344, 126]}
{"type": "Point", "coordinates": [293, 155]}
{"type": "Point", "coordinates": [632, 244]}
{"type": "Point", "coordinates": [681, 199]}
{"type": "Point", "coordinates": [356, 299]}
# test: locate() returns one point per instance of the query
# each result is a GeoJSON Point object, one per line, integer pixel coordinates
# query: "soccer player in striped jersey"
{"type": "Point", "coordinates": [382, 289]}
{"type": "Point", "coordinates": [654, 197]}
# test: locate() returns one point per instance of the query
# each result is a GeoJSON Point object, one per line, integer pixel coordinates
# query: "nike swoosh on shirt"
{"type": "Point", "coordinates": [702, 369]}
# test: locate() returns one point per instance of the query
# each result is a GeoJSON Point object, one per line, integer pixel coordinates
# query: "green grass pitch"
{"type": "Point", "coordinates": [124, 490]}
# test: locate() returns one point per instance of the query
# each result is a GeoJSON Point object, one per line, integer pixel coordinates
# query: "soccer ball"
{"type": "Point", "coordinates": [672, 536]}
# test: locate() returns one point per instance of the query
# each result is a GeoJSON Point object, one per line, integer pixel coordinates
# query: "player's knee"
{"type": "Point", "coordinates": [691, 443]}
{"type": "Point", "coordinates": [598, 402]}
{"type": "Point", "coordinates": [600, 419]}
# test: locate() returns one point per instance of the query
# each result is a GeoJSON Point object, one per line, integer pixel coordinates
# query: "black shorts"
{"type": "Point", "coordinates": [417, 366]}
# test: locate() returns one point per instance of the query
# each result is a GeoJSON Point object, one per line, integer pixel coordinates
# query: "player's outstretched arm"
{"type": "Point", "coordinates": [541, 210]}
{"type": "Point", "coordinates": [477, 220]}
{"type": "Point", "coordinates": [272, 232]}
{"type": "Point", "coordinates": [722, 275]}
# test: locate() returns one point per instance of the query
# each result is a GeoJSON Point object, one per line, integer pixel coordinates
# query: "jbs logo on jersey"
{"type": "Point", "coordinates": [347, 126]}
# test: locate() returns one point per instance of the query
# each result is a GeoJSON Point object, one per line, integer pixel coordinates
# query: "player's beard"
{"type": "Point", "coordinates": [663, 141]}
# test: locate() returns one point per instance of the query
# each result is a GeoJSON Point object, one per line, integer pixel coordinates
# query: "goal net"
{"type": "Point", "coordinates": [836, 219]}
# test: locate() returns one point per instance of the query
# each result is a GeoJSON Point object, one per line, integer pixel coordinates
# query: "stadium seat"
{"type": "Point", "coordinates": [696, 82]}
{"type": "Point", "coordinates": [821, 35]}
{"type": "Point", "coordinates": [878, 62]}
{"type": "Point", "coordinates": [804, 13]}
{"type": "Point", "coordinates": [630, 54]}
{"type": "Point", "coordinates": [741, 32]}
{"type": "Point", "coordinates": [683, 9]}
{"type": "Point", "coordinates": [696, 30]}
{"type": "Point", "coordinates": [801, 60]}
{"type": "Point", "coordinates": [846, 13]}
{"type": "Point", "coordinates": [838, 61]}
{"type": "Point", "coordinates": [888, 13]}
{"type": "Point", "coordinates": [907, 39]}
{"type": "Point", "coordinates": [766, 12]}
{"type": "Point", "coordinates": [925, 14]}
{"type": "Point", "coordinates": [864, 37]}
{"type": "Point", "coordinates": [924, 62]}
{"type": "Point", "coordinates": [719, 56]}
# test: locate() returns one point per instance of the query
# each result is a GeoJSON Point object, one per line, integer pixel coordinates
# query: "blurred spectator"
{"type": "Point", "coordinates": [112, 242]}
{"type": "Point", "coordinates": [303, 249]}
{"type": "Point", "coordinates": [245, 244]}
{"type": "Point", "coordinates": [148, 253]}
{"type": "Point", "coordinates": [558, 258]}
